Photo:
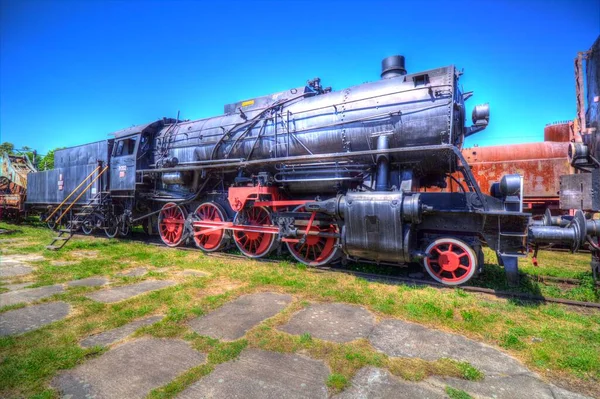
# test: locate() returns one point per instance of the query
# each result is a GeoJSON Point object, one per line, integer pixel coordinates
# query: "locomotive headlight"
{"type": "Point", "coordinates": [481, 115]}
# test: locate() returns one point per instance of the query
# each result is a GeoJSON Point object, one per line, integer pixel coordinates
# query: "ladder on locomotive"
{"type": "Point", "coordinates": [64, 235]}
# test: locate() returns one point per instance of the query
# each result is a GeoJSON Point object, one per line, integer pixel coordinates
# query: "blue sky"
{"type": "Point", "coordinates": [72, 71]}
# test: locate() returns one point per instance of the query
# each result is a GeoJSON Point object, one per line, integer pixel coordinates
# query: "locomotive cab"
{"type": "Point", "coordinates": [123, 163]}
{"type": "Point", "coordinates": [132, 151]}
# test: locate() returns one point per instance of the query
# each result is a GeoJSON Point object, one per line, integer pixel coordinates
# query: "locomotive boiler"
{"type": "Point", "coordinates": [331, 175]}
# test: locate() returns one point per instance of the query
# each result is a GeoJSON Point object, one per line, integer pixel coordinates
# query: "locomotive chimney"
{"type": "Point", "coordinates": [392, 66]}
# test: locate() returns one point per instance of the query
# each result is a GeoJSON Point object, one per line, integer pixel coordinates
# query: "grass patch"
{"type": "Point", "coordinates": [469, 372]}
{"type": "Point", "coordinates": [454, 393]}
{"type": "Point", "coordinates": [337, 382]}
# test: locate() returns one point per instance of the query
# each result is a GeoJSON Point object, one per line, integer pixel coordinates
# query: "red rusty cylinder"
{"type": "Point", "coordinates": [516, 152]}
{"type": "Point", "coordinates": [540, 164]}
{"type": "Point", "coordinates": [557, 132]}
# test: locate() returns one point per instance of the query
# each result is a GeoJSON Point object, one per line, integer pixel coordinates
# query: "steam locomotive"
{"type": "Point", "coordinates": [356, 174]}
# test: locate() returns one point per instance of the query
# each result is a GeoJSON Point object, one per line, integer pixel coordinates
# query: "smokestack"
{"type": "Point", "coordinates": [392, 67]}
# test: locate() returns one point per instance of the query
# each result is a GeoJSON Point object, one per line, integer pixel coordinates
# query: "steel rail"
{"type": "Point", "coordinates": [468, 288]}
{"type": "Point", "coordinates": [378, 277]}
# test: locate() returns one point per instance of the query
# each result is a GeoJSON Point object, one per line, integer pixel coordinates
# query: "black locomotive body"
{"type": "Point", "coordinates": [330, 174]}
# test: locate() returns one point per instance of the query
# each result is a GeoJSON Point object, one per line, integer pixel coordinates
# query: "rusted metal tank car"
{"type": "Point", "coordinates": [327, 174]}
{"type": "Point", "coordinates": [14, 170]}
{"type": "Point", "coordinates": [541, 164]}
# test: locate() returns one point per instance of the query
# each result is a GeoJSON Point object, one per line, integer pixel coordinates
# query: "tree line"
{"type": "Point", "coordinates": [41, 162]}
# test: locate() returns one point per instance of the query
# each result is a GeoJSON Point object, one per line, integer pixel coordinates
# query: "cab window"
{"type": "Point", "coordinates": [125, 147]}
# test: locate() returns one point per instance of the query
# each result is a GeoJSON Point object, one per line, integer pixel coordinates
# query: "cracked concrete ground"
{"type": "Point", "coordinates": [130, 370]}
{"type": "Point", "coordinates": [19, 321]}
{"type": "Point", "coordinates": [232, 320]}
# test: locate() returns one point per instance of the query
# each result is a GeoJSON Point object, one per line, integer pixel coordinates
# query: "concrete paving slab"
{"type": "Point", "coordinates": [518, 386]}
{"type": "Point", "coordinates": [14, 270]}
{"type": "Point", "coordinates": [89, 282]}
{"type": "Point", "coordinates": [122, 293]}
{"type": "Point", "coordinates": [265, 375]}
{"type": "Point", "coordinates": [86, 253]}
{"type": "Point", "coordinates": [137, 272]}
{"type": "Point", "coordinates": [337, 322]}
{"type": "Point", "coordinates": [31, 318]}
{"type": "Point", "coordinates": [192, 273]}
{"type": "Point", "coordinates": [21, 258]}
{"type": "Point", "coordinates": [403, 339]}
{"type": "Point", "coordinates": [61, 263]}
{"type": "Point", "coordinates": [11, 240]}
{"type": "Point", "coordinates": [130, 370]}
{"type": "Point", "coordinates": [9, 263]}
{"type": "Point", "coordinates": [111, 336]}
{"type": "Point", "coordinates": [29, 295]}
{"type": "Point", "coordinates": [375, 383]}
{"type": "Point", "coordinates": [232, 320]}
{"type": "Point", "coordinates": [560, 393]}
{"type": "Point", "coordinates": [16, 287]}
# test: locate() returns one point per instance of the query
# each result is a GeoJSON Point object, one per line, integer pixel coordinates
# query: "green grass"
{"type": "Point", "coordinates": [337, 382]}
{"type": "Point", "coordinates": [469, 372]}
{"type": "Point", "coordinates": [454, 393]}
{"type": "Point", "coordinates": [559, 342]}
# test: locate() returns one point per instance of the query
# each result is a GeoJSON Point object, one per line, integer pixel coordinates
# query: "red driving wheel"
{"type": "Point", "coordinates": [450, 261]}
{"type": "Point", "coordinates": [207, 239]}
{"type": "Point", "coordinates": [254, 244]}
{"type": "Point", "coordinates": [171, 222]}
{"type": "Point", "coordinates": [315, 250]}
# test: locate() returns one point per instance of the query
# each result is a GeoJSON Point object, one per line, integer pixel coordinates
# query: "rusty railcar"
{"type": "Point", "coordinates": [541, 164]}
{"type": "Point", "coordinates": [14, 170]}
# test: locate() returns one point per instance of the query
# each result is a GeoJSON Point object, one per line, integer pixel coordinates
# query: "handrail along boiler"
{"type": "Point", "coordinates": [332, 175]}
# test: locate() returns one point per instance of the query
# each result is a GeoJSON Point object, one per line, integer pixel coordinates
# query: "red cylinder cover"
{"type": "Point", "coordinates": [558, 132]}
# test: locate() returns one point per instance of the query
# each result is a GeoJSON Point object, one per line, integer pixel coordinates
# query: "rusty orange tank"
{"type": "Point", "coordinates": [541, 165]}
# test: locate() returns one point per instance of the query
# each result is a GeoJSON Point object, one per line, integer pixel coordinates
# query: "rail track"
{"type": "Point", "coordinates": [416, 281]}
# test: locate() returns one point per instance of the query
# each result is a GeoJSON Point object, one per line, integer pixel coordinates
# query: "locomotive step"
{"type": "Point", "coordinates": [53, 247]}
{"type": "Point", "coordinates": [65, 231]}
{"type": "Point", "coordinates": [60, 238]}
{"type": "Point", "coordinates": [82, 214]}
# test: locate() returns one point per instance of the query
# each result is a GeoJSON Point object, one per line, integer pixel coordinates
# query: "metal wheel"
{"type": "Point", "coordinates": [316, 251]}
{"type": "Point", "coordinates": [171, 223]}
{"type": "Point", "coordinates": [88, 226]}
{"type": "Point", "coordinates": [125, 230]}
{"type": "Point", "coordinates": [52, 222]}
{"type": "Point", "coordinates": [254, 244]}
{"type": "Point", "coordinates": [206, 239]}
{"type": "Point", "coordinates": [113, 227]}
{"type": "Point", "coordinates": [450, 261]}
